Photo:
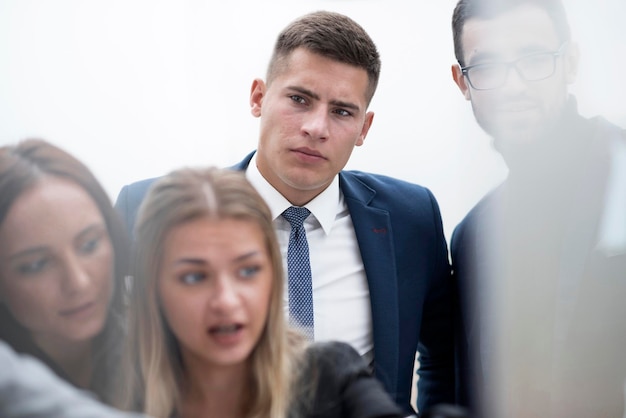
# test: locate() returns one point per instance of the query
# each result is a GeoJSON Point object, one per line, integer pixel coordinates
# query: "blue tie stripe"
{"type": "Point", "coordinates": [299, 272]}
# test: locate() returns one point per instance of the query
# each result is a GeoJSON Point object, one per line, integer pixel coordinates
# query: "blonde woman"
{"type": "Point", "coordinates": [208, 334]}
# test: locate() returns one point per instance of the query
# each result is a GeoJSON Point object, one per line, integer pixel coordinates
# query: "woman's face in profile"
{"type": "Point", "coordinates": [56, 262]}
{"type": "Point", "coordinates": [214, 287]}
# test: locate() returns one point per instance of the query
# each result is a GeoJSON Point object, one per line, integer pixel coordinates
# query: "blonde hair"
{"type": "Point", "coordinates": [153, 362]}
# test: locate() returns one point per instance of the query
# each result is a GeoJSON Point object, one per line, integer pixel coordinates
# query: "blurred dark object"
{"type": "Point", "coordinates": [445, 411]}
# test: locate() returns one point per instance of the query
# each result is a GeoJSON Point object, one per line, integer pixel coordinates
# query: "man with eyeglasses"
{"type": "Point", "coordinates": [540, 262]}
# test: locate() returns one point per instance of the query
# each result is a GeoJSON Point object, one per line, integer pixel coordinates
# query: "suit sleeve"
{"type": "Point", "coordinates": [436, 341]}
{"type": "Point", "coordinates": [459, 249]}
{"type": "Point", "coordinates": [129, 200]}
{"type": "Point", "coordinates": [121, 205]}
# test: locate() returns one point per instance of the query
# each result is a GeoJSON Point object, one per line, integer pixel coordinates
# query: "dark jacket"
{"type": "Point", "coordinates": [400, 235]}
{"type": "Point", "coordinates": [536, 239]}
{"type": "Point", "coordinates": [343, 386]}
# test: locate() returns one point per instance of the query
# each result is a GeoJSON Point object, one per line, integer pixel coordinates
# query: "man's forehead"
{"type": "Point", "coordinates": [517, 31]}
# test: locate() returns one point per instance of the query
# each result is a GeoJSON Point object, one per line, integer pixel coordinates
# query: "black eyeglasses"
{"type": "Point", "coordinates": [533, 67]}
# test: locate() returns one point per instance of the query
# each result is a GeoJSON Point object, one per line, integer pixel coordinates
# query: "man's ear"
{"type": "Point", "coordinates": [257, 93]}
{"type": "Point", "coordinates": [460, 80]}
{"type": "Point", "coordinates": [571, 60]}
{"type": "Point", "coordinates": [367, 124]}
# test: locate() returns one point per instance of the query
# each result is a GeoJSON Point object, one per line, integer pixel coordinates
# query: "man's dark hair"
{"type": "Point", "coordinates": [331, 35]}
{"type": "Point", "coordinates": [488, 9]}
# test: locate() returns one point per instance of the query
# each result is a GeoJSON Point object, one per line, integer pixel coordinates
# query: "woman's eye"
{"type": "Point", "coordinates": [32, 267]}
{"type": "Point", "coordinates": [90, 246]}
{"type": "Point", "coordinates": [192, 278]}
{"type": "Point", "coordinates": [250, 271]}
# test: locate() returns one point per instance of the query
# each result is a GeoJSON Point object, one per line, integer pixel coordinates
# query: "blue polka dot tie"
{"type": "Point", "coordinates": [299, 272]}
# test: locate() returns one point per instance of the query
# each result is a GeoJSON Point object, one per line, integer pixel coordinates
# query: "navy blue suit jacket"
{"type": "Point", "coordinates": [399, 231]}
{"type": "Point", "coordinates": [595, 341]}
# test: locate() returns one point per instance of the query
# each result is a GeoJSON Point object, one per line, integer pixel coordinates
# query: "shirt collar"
{"type": "Point", "coordinates": [324, 206]}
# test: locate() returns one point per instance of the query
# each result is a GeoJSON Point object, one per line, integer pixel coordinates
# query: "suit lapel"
{"type": "Point", "coordinates": [243, 164]}
{"type": "Point", "coordinates": [374, 235]}
{"type": "Point", "coordinates": [375, 238]}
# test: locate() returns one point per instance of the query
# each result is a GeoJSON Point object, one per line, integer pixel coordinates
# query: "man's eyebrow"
{"type": "Point", "coordinates": [338, 103]}
{"type": "Point", "coordinates": [304, 91]}
{"type": "Point", "coordinates": [480, 57]}
{"type": "Point", "coordinates": [536, 49]}
{"type": "Point", "coordinates": [347, 105]}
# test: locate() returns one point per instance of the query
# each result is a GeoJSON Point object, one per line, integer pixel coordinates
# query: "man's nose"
{"type": "Point", "coordinates": [316, 123]}
{"type": "Point", "coordinates": [514, 82]}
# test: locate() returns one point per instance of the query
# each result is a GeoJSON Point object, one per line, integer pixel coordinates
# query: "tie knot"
{"type": "Point", "coordinates": [296, 215]}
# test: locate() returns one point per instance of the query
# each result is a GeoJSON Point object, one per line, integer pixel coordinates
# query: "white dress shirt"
{"type": "Point", "coordinates": [341, 302]}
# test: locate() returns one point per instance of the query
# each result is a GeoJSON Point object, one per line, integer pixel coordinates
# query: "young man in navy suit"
{"type": "Point", "coordinates": [378, 255]}
{"type": "Point", "coordinates": [540, 262]}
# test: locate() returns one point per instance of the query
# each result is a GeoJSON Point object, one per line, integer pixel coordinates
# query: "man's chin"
{"type": "Point", "coordinates": [516, 144]}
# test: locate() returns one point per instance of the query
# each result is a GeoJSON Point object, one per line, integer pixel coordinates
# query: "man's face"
{"type": "Point", "coordinates": [313, 114]}
{"type": "Point", "coordinates": [518, 111]}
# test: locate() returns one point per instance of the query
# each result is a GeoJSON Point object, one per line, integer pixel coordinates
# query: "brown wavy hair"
{"type": "Point", "coordinates": [22, 167]}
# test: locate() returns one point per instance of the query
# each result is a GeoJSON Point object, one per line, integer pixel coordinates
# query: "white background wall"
{"type": "Point", "coordinates": [136, 88]}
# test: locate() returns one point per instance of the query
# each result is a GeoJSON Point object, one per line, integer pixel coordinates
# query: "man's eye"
{"type": "Point", "coordinates": [192, 278]}
{"type": "Point", "coordinates": [489, 67]}
{"type": "Point", "coordinates": [488, 70]}
{"type": "Point", "coordinates": [536, 60]}
{"type": "Point", "coordinates": [343, 112]}
{"type": "Point", "coordinates": [297, 99]}
{"type": "Point", "coordinates": [32, 267]}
